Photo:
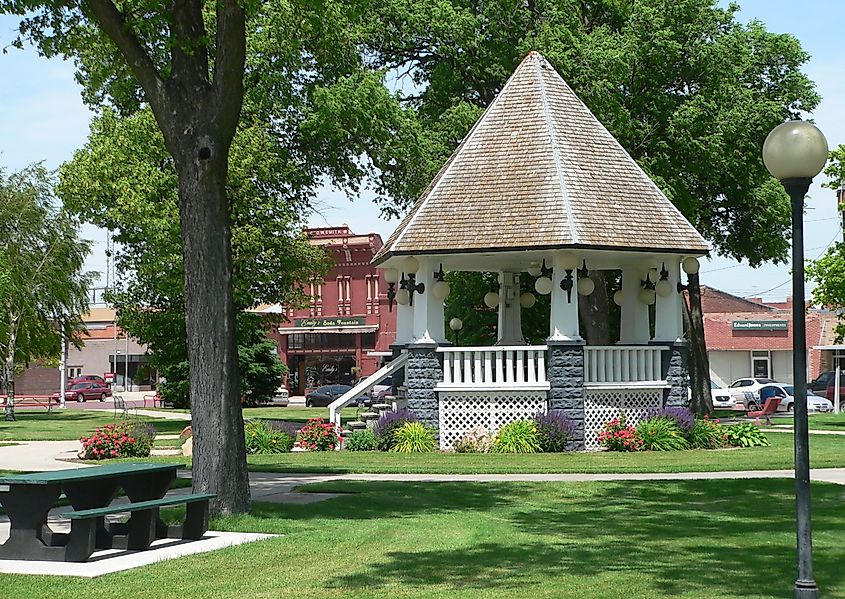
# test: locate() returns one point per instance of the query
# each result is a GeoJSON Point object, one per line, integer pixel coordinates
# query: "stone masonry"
{"type": "Point", "coordinates": [675, 369]}
{"type": "Point", "coordinates": [422, 373]}
{"type": "Point", "coordinates": [565, 368]}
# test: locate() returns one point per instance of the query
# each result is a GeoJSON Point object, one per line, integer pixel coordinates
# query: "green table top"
{"type": "Point", "coordinates": [83, 474]}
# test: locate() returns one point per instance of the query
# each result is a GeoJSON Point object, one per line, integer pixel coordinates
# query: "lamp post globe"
{"type": "Point", "coordinates": [794, 153]}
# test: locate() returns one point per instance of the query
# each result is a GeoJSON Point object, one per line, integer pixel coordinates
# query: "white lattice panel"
{"type": "Point", "coordinates": [461, 411]}
{"type": "Point", "coordinates": [603, 405]}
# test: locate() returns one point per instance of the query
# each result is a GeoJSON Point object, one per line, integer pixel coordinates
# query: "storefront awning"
{"type": "Point", "coordinates": [349, 330]}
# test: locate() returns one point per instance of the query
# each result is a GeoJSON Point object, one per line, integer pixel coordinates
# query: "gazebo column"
{"type": "Point", "coordinates": [668, 330]}
{"type": "Point", "coordinates": [404, 336]}
{"type": "Point", "coordinates": [424, 369]}
{"type": "Point", "coordinates": [633, 326]}
{"type": "Point", "coordinates": [565, 357]}
{"type": "Point", "coordinates": [510, 317]}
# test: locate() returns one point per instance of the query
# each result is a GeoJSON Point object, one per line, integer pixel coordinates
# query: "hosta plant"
{"type": "Point", "coordinates": [520, 436]}
{"type": "Point", "coordinates": [746, 434]}
{"type": "Point", "coordinates": [363, 440]}
{"type": "Point", "coordinates": [661, 433]}
{"type": "Point", "coordinates": [413, 437]}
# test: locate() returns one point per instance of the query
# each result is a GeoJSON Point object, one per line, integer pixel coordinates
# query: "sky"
{"type": "Point", "coordinates": [42, 118]}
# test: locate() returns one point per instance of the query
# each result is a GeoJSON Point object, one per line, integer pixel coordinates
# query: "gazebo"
{"type": "Point", "coordinates": [540, 186]}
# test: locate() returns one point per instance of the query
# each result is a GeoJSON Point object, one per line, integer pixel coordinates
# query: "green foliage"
{"type": "Point", "coordinates": [43, 291]}
{"type": "Point", "coordinates": [363, 440]}
{"type": "Point", "coordinates": [746, 434]}
{"type": "Point", "coordinates": [413, 437]}
{"type": "Point", "coordinates": [661, 434]}
{"type": "Point", "coordinates": [707, 434]}
{"type": "Point", "coordinates": [835, 169]}
{"type": "Point", "coordinates": [260, 438]}
{"type": "Point", "coordinates": [519, 436]}
{"type": "Point", "coordinates": [828, 272]}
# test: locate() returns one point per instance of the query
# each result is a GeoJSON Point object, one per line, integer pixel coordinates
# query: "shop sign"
{"type": "Point", "coordinates": [108, 377]}
{"type": "Point", "coordinates": [760, 325]}
{"type": "Point", "coordinates": [337, 321]}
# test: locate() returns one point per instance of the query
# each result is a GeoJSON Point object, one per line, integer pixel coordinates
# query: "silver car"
{"type": "Point", "coordinates": [815, 403]}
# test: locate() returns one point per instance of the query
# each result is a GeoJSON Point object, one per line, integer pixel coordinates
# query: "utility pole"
{"type": "Point", "coordinates": [840, 205]}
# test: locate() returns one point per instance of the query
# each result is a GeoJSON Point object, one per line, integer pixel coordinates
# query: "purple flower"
{"type": "Point", "coordinates": [554, 429]}
{"type": "Point", "coordinates": [683, 417]}
{"type": "Point", "coordinates": [387, 425]}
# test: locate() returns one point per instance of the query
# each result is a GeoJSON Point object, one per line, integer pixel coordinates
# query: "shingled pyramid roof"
{"type": "Point", "coordinates": [538, 171]}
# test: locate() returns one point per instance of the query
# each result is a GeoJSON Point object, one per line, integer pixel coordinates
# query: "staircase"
{"type": "Point", "coordinates": [362, 388]}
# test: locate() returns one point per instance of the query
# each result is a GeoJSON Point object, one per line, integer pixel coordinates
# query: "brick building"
{"type": "Point", "coordinates": [341, 335]}
{"type": "Point", "coordinates": [749, 337]}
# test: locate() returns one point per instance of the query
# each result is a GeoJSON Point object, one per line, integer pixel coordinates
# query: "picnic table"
{"type": "Point", "coordinates": [28, 498]}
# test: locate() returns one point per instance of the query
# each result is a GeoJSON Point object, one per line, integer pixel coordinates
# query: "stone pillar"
{"type": "Point", "coordinates": [565, 368]}
{"type": "Point", "coordinates": [668, 310]}
{"type": "Point", "coordinates": [422, 374]}
{"type": "Point", "coordinates": [510, 316]}
{"type": "Point", "coordinates": [675, 368]}
{"type": "Point", "coordinates": [633, 325]}
{"type": "Point", "coordinates": [428, 310]}
{"type": "Point", "coordinates": [563, 321]}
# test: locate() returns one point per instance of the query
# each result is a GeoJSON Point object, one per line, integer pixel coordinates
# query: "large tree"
{"type": "Point", "coordinates": [43, 290]}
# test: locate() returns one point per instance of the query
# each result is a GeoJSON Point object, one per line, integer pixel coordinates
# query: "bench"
{"type": "Point", "coordinates": [143, 527]}
{"type": "Point", "coordinates": [769, 408]}
{"type": "Point", "coordinates": [30, 401]}
{"type": "Point", "coordinates": [120, 405]}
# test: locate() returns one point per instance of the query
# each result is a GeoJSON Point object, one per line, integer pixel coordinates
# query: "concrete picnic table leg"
{"type": "Point", "coordinates": [27, 507]}
{"type": "Point", "coordinates": [94, 494]}
{"type": "Point", "coordinates": [144, 487]}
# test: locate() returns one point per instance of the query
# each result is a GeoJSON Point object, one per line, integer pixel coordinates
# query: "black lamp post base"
{"type": "Point", "coordinates": [805, 589]}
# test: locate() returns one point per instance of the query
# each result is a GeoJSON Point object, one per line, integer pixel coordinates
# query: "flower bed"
{"type": "Point", "coordinates": [122, 440]}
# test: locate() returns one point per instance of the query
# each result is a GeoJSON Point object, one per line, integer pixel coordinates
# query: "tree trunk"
{"type": "Point", "coordinates": [594, 312]}
{"type": "Point", "coordinates": [219, 460]}
{"type": "Point", "coordinates": [9, 367]}
{"type": "Point", "coordinates": [699, 367]}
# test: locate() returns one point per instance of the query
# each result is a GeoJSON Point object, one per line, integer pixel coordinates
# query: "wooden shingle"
{"type": "Point", "coordinates": [538, 170]}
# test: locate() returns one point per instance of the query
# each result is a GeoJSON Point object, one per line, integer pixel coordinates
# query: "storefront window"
{"type": "Point", "coordinates": [321, 341]}
{"type": "Point", "coordinates": [761, 364]}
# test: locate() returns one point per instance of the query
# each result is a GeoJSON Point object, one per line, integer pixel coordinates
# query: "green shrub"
{"type": "Point", "coordinates": [363, 440]}
{"type": "Point", "coordinates": [121, 440]}
{"type": "Point", "coordinates": [261, 439]}
{"type": "Point", "coordinates": [413, 437]}
{"type": "Point", "coordinates": [746, 434]}
{"type": "Point", "coordinates": [618, 435]}
{"type": "Point", "coordinates": [318, 435]}
{"type": "Point", "coordinates": [707, 434]}
{"type": "Point", "coordinates": [661, 434]}
{"type": "Point", "coordinates": [520, 436]}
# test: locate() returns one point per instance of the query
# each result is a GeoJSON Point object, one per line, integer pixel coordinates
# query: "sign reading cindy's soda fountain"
{"type": "Point", "coordinates": [335, 321]}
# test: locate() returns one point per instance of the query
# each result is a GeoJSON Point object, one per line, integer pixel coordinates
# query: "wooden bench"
{"type": "Point", "coordinates": [769, 408]}
{"type": "Point", "coordinates": [143, 527]}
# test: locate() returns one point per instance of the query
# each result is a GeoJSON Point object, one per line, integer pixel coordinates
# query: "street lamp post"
{"type": "Point", "coordinates": [794, 153]}
{"type": "Point", "coordinates": [456, 324]}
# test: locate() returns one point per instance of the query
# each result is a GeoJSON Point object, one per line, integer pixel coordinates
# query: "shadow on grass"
{"type": "Point", "coordinates": [736, 535]}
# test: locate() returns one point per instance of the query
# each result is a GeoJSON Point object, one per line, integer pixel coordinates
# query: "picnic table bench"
{"type": "Point", "coordinates": [28, 498]}
{"type": "Point", "coordinates": [29, 401]}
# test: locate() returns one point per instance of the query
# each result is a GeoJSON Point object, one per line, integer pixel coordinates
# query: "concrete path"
{"type": "Point", "coordinates": [39, 456]}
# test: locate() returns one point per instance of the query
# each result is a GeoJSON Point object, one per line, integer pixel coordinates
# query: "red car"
{"type": "Point", "coordinates": [88, 378]}
{"type": "Point", "coordinates": [85, 390]}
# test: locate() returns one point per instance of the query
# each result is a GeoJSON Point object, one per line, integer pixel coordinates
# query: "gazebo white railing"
{"type": "Point", "coordinates": [518, 367]}
{"type": "Point", "coordinates": [623, 364]}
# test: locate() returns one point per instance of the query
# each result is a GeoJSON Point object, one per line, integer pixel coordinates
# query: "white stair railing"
{"type": "Point", "coordinates": [495, 367]}
{"type": "Point", "coordinates": [364, 386]}
{"type": "Point", "coordinates": [623, 364]}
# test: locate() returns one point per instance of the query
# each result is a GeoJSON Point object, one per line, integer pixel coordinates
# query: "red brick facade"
{"type": "Point", "coordinates": [347, 319]}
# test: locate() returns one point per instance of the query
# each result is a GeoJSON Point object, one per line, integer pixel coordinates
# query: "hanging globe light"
{"type": "Point", "coordinates": [441, 290]}
{"type": "Point", "coordinates": [586, 286]}
{"type": "Point", "coordinates": [663, 288]}
{"type": "Point", "coordinates": [569, 261]}
{"type": "Point", "coordinates": [527, 300]}
{"type": "Point", "coordinates": [491, 299]}
{"type": "Point", "coordinates": [456, 324]}
{"type": "Point", "coordinates": [411, 264]}
{"type": "Point", "coordinates": [391, 275]}
{"type": "Point", "coordinates": [690, 265]}
{"type": "Point", "coordinates": [534, 270]}
{"type": "Point", "coordinates": [617, 298]}
{"type": "Point", "coordinates": [647, 296]}
{"type": "Point", "coordinates": [543, 285]}
{"type": "Point", "coordinates": [403, 297]}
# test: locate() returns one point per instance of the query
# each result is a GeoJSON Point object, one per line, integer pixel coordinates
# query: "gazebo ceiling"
{"type": "Point", "coordinates": [539, 171]}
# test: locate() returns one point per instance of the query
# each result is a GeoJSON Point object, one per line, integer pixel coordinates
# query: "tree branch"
{"type": "Point", "coordinates": [113, 23]}
{"type": "Point", "coordinates": [229, 64]}
{"type": "Point", "coordinates": [189, 46]}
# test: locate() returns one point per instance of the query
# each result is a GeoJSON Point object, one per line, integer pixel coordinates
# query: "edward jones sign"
{"type": "Point", "coordinates": [760, 325]}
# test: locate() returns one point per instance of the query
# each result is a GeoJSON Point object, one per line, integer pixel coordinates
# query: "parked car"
{"type": "Point", "coordinates": [323, 396]}
{"type": "Point", "coordinates": [84, 391]}
{"type": "Point", "coordinates": [383, 387]}
{"type": "Point", "coordinates": [86, 378]}
{"type": "Point", "coordinates": [815, 403]}
{"type": "Point", "coordinates": [747, 389]}
{"type": "Point", "coordinates": [824, 380]}
{"type": "Point", "coordinates": [830, 393]}
{"type": "Point", "coordinates": [722, 398]}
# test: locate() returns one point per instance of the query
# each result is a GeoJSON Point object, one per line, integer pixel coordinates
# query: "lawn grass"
{"type": "Point", "coordinates": [167, 443]}
{"type": "Point", "coordinates": [656, 539]}
{"type": "Point", "coordinates": [290, 414]}
{"type": "Point", "coordinates": [70, 424]}
{"type": "Point", "coordinates": [822, 422]}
